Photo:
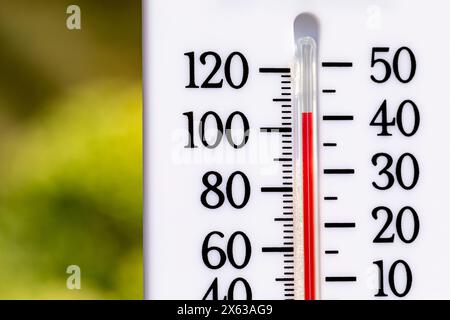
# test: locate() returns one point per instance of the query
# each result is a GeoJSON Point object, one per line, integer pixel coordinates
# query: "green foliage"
{"type": "Point", "coordinates": [71, 193]}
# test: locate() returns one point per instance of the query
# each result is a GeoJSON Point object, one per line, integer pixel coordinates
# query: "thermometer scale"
{"type": "Point", "coordinates": [296, 149]}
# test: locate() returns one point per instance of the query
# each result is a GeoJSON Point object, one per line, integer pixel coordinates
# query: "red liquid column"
{"type": "Point", "coordinates": [306, 99]}
{"type": "Point", "coordinates": [308, 204]}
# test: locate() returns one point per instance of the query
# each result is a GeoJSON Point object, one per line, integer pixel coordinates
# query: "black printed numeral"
{"type": "Point", "coordinates": [235, 79]}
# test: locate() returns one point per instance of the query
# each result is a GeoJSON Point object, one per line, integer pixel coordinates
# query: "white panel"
{"type": "Point", "coordinates": [176, 222]}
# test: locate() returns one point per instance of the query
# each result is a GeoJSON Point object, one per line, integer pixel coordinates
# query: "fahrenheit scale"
{"type": "Point", "coordinates": [296, 149]}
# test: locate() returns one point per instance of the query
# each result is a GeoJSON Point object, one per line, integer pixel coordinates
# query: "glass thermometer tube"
{"type": "Point", "coordinates": [306, 106]}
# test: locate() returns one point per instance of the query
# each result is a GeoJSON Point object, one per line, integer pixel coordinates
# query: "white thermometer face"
{"type": "Point", "coordinates": [297, 149]}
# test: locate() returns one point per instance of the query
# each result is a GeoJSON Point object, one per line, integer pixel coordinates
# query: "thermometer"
{"type": "Point", "coordinates": [296, 149]}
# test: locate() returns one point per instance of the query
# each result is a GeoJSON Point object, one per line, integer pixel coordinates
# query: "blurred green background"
{"type": "Point", "coordinates": [70, 150]}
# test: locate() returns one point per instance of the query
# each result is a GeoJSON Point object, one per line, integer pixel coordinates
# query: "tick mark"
{"type": "Point", "coordinates": [335, 64]}
{"type": "Point", "coordinates": [284, 279]}
{"type": "Point", "coordinates": [284, 219]}
{"type": "Point", "coordinates": [340, 279]}
{"type": "Point", "coordinates": [278, 249]}
{"type": "Point", "coordinates": [283, 159]}
{"type": "Point", "coordinates": [340, 225]}
{"type": "Point", "coordinates": [276, 129]}
{"type": "Point", "coordinates": [337, 118]}
{"type": "Point", "coordinates": [339, 171]}
{"type": "Point", "coordinates": [276, 189]}
{"type": "Point", "coordinates": [274, 70]}
{"type": "Point", "coordinates": [281, 100]}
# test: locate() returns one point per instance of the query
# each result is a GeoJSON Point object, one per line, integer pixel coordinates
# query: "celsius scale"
{"type": "Point", "coordinates": [297, 149]}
